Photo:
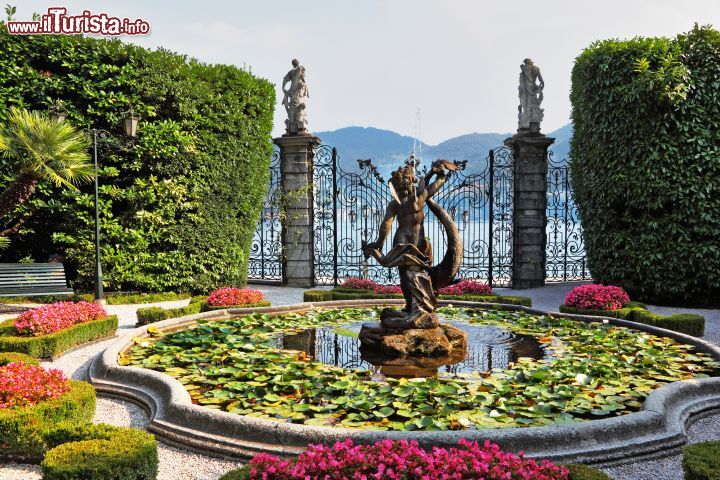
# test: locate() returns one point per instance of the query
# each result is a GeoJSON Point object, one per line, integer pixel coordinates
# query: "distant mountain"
{"type": "Point", "coordinates": [388, 149]}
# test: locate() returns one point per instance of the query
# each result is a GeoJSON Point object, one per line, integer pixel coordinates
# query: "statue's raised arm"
{"type": "Point", "coordinates": [438, 169]}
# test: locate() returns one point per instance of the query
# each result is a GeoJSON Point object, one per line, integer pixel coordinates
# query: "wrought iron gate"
{"type": "Point", "coordinates": [265, 261]}
{"type": "Point", "coordinates": [565, 250]}
{"type": "Point", "coordinates": [349, 207]}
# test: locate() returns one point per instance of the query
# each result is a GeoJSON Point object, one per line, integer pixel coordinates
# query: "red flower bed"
{"type": "Point", "coordinates": [395, 460]}
{"type": "Point", "coordinates": [25, 385]}
{"type": "Point", "coordinates": [597, 297]}
{"type": "Point", "coordinates": [462, 287]}
{"type": "Point", "coordinates": [234, 296]}
{"type": "Point", "coordinates": [56, 316]}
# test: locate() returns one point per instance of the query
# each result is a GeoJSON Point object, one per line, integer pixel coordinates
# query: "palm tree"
{"type": "Point", "coordinates": [42, 149]}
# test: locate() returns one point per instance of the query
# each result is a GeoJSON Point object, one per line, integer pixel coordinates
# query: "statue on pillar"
{"type": "Point", "coordinates": [530, 91]}
{"type": "Point", "coordinates": [294, 100]}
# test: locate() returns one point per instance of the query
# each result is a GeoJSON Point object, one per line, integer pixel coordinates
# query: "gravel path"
{"type": "Point", "coordinates": [178, 464]}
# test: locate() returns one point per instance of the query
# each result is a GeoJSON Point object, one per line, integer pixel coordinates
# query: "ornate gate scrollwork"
{"type": "Point", "coordinates": [350, 205]}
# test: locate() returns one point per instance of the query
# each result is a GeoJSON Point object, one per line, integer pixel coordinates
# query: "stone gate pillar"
{"type": "Point", "coordinates": [296, 183]}
{"type": "Point", "coordinates": [529, 149]}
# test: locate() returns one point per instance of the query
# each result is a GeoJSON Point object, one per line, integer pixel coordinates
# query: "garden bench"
{"type": "Point", "coordinates": [32, 279]}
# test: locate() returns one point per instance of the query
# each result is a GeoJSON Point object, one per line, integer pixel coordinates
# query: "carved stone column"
{"type": "Point", "coordinates": [530, 207]}
{"type": "Point", "coordinates": [296, 181]}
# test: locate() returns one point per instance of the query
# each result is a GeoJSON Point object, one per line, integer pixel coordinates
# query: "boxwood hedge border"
{"type": "Point", "coordinates": [340, 293]}
{"type": "Point", "coordinates": [55, 344]}
{"type": "Point", "coordinates": [22, 428]}
{"type": "Point", "coordinates": [689, 323]}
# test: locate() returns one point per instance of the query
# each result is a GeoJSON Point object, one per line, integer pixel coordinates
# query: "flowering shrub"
{"type": "Point", "coordinates": [385, 289]}
{"type": "Point", "coordinates": [235, 296]}
{"type": "Point", "coordinates": [359, 284]}
{"type": "Point", "coordinates": [475, 287]}
{"type": "Point", "coordinates": [25, 385]}
{"type": "Point", "coordinates": [597, 297]}
{"type": "Point", "coordinates": [57, 316]}
{"type": "Point", "coordinates": [390, 460]}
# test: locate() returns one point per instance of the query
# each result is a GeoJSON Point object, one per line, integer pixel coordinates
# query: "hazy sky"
{"type": "Point", "coordinates": [374, 62]}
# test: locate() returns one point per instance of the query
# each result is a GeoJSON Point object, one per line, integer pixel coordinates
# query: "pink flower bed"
{"type": "Point", "coordinates": [462, 287]}
{"type": "Point", "coordinates": [386, 289]}
{"type": "Point", "coordinates": [395, 460]}
{"type": "Point", "coordinates": [467, 286]}
{"type": "Point", "coordinates": [56, 316]}
{"type": "Point", "coordinates": [25, 385]}
{"type": "Point", "coordinates": [359, 284]}
{"type": "Point", "coordinates": [235, 296]}
{"type": "Point", "coordinates": [597, 297]}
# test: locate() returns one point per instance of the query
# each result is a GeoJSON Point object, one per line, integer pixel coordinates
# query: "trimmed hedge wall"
{"type": "Point", "coordinates": [701, 461]}
{"type": "Point", "coordinates": [52, 345]}
{"type": "Point", "coordinates": [352, 294]}
{"type": "Point", "coordinates": [22, 429]}
{"type": "Point", "coordinates": [112, 298]}
{"type": "Point", "coordinates": [99, 452]}
{"type": "Point", "coordinates": [14, 357]}
{"type": "Point", "coordinates": [208, 308]}
{"type": "Point", "coordinates": [155, 314]}
{"type": "Point", "coordinates": [196, 305]}
{"type": "Point", "coordinates": [645, 159]}
{"type": "Point", "coordinates": [689, 323]}
{"type": "Point", "coordinates": [178, 209]}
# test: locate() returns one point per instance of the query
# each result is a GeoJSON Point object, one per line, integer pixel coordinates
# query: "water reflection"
{"type": "Point", "coordinates": [489, 346]}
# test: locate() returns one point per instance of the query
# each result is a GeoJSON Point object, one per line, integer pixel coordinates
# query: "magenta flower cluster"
{"type": "Point", "coordinates": [359, 284]}
{"type": "Point", "coordinates": [467, 286]}
{"type": "Point", "coordinates": [597, 297]}
{"type": "Point", "coordinates": [56, 316]}
{"type": "Point", "coordinates": [25, 385]}
{"type": "Point", "coordinates": [235, 296]}
{"type": "Point", "coordinates": [396, 460]}
{"type": "Point", "coordinates": [460, 288]}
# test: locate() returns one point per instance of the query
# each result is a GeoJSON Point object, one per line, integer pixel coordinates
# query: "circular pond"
{"type": "Point", "coordinates": [521, 369]}
{"type": "Point", "coordinates": [488, 347]}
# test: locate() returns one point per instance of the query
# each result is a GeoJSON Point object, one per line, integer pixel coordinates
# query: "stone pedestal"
{"type": "Point", "coordinates": [296, 173]}
{"type": "Point", "coordinates": [529, 149]}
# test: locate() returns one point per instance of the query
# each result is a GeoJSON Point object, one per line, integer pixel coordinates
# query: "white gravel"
{"type": "Point", "coordinates": [177, 464]}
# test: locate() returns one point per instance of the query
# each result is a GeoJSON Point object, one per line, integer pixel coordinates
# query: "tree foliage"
{"type": "Point", "coordinates": [645, 163]}
{"type": "Point", "coordinates": [179, 206]}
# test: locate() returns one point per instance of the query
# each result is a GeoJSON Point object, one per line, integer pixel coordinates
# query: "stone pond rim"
{"type": "Point", "coordinates": [657, 429]}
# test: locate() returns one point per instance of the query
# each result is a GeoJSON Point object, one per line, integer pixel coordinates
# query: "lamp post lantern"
{"type": "Point", "coordinates": [130, 122]}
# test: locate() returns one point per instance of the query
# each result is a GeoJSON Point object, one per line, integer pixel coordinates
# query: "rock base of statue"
{"type": "Point", "coordinates": [427, 338]}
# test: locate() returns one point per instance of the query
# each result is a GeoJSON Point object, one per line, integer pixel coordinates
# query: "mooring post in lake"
{"type": "Point", "coordinates": [530, 154]}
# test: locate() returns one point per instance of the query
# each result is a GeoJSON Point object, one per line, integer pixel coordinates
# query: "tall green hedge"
{"type": "Point", "coordinates": [646, 162]}
{"type": "Point", "coordinates": [179, 207]}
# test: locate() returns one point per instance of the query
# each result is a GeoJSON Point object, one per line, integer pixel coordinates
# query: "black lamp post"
{"type": "Point", "coordinates": [130, 123]}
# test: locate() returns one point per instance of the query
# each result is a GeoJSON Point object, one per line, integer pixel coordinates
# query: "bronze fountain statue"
{"type": "Point", "coordinates": [414, 331]}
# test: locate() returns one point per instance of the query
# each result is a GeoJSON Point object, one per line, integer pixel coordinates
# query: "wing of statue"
{"type": "Point", "coordinates": [393, 192]}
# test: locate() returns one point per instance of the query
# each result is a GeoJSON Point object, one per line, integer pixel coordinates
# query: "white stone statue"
{"type": "Point", "coordinates": [531, 96]}
{"type": "Point", "coordinates": [294, 99]}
